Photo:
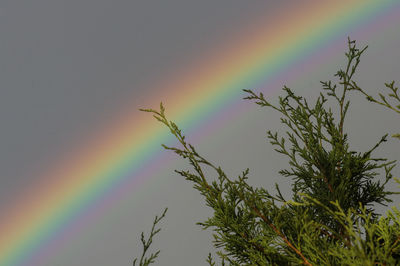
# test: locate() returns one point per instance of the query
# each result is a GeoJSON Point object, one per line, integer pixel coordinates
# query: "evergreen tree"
{"type": "Point", "coordinates": [330, 220]}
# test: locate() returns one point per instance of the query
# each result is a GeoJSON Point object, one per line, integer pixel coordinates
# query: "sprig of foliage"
{"type": "Point", "coordinates": [144, 261]}
{"type": "Point", "coordinates": [330, 220]}
{"type": "Point", "coordinates": [393, 93]}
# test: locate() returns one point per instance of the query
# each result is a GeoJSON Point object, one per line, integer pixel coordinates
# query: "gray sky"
{"type": "Point", "coordinates": [67, 67]}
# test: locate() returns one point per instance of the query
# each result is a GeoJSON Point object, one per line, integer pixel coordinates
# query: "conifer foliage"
{"type": "Point", "coordinates": [330, 220]}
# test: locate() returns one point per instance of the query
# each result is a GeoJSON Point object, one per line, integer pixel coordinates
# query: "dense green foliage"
{"type": "Point", "coordinates": [330, 220]}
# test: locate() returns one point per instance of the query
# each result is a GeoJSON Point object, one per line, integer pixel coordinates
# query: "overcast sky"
{"type": "Point", "coordinates": [67, 67]}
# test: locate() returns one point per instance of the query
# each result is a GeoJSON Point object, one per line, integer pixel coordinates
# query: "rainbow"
{"type": "Point", "coordinates": [115, 157]}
